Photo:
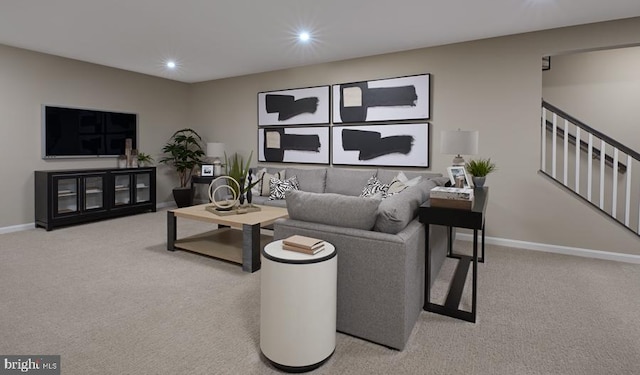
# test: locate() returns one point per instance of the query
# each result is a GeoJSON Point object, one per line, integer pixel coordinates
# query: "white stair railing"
{"type": "Point", "coordinates": [608, 169]}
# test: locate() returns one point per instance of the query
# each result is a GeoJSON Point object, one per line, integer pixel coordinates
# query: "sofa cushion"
{"type": "Point", "coordinates": [347, 181]}
{"type": "Point", "coordinates": [312, 180]}
{"type": "Point", "coordinates": [397, 211]}
{"type": "Point", "coordinates": [278, 188]}
{"type": "Point", "coordinates": [332, 209]}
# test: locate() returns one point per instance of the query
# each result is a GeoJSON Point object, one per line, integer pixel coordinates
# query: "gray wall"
{"type": "Point", "coordinates": [29, 79]}
{"type": "Point", "coordinates": [491, 85]}
{"type": "Point", "coordinates": [601, 88]}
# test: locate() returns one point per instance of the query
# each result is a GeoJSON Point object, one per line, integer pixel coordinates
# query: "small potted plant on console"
{"type": "Point", "coordinates": [479, 169]}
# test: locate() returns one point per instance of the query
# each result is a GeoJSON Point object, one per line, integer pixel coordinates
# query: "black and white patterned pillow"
{"type": "Point", "coordinates": [374, 189]}
{"type": "Point", "coordinates": [278, 188]}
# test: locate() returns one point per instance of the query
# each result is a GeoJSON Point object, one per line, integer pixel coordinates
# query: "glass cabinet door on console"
{"type": "Point", "coordinates": [142, 191]}
{"type": "Point", "coordinates": [122, 190]}
{"type": "Point", "coordinates": [66, 194]}
{"type": "Point", "coordinates": [94, 197]}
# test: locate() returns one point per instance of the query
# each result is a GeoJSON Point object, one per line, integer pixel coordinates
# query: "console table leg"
{"type": "Point", "coordinates": [171, 231]}
{"type": "Point", "coordinates": [474, 291]}
{"type": "Point", "coordinates": [250, 247]}
{"type": "Point", "coordinates": [450, 247]}
{"type": "Point", "coordinates": [427, 269]}
{"type": "Point", "coordinates": [482, 257]}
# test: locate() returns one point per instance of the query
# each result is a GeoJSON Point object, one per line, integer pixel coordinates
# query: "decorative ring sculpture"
{"type": "Point", "coordinates": [230, 204]}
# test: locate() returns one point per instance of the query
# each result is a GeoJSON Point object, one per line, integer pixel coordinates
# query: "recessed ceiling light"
{"type": "Point", "coordinates": [171, 64]}
{"type": "Point", "coordinates": [304, 36]}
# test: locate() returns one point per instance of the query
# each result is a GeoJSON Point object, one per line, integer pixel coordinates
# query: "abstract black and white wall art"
{"type": "Point", "coordinates": [405, 145]}
{"type": "Point", "coordinates": [404, 98]}
{"type": "Point", "coordinates": [306, 106]}
{"type": "Point", "coordinates": [294, 144]}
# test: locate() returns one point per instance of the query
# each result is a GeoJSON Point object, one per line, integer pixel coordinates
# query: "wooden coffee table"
{"type": "Point", "coordinates": [237, 239]}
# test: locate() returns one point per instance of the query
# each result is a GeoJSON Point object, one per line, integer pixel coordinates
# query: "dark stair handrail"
{"type": "Point", "coordinates": [584, 146]}
{"type": "Point", "coordinates": [591, 130]}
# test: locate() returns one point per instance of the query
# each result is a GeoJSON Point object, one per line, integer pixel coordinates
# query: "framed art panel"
{"type": "Point", "coordinates": [393, 99]}
{"type": "Point", "coordinates": [294, 145]}
{"type": "Point", "coordinates": [405, 145]}
{"type": "Point", "coordinates": [305, 106]}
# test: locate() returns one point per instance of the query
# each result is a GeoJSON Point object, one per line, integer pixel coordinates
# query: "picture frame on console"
{"type": "Point", "coordinates": [457, 171]}
{"type": "Point", "coordinates": [392, 99]}
{"type": "Point", "coordinates": [206, 170]}
{"type": "Point", "coordinates": [284, 144]}
{"type": "Point", "coordinates": [303, 106]}
{"type": "Point", "coordinates": [392, 145]}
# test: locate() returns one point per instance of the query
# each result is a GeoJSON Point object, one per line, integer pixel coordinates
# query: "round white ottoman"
{"type": "Point", "coordinates": [298, 307]}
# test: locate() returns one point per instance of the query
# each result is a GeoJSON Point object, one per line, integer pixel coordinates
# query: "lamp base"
{"type": "Point", "coordinates": [458, 160]}
{"type": "Point", "coordinates": [217, 169]}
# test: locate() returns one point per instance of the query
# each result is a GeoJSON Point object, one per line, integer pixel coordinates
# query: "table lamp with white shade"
{"type": "Point", "coordinates": [459, 142]}
{"type": "Point", "coordinates": [215, 150]}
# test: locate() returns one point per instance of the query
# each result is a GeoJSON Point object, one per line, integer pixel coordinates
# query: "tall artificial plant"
{"type": "Point", "coordinates": [236, 168]}
{"type": "Point", "coordinates": [184, 152]}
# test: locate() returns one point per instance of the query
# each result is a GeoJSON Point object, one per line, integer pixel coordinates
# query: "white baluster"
{"type": "Point", "coordinates": [614, 195]}
{"type": "Point", "coordinates": [543, 138]}
{"type": "Point", "coordinates": [578, 152]}
{"type": "Point", "coordinates": [602, 157]}
{"type": "Point", "coordinates": [565, 159]}
{"type": "Point", "coordinates": [589, 167]}
{"type": "Point", "coordinates": [553, 145]}
{"type": "Point", "coordinates": [627, 199]}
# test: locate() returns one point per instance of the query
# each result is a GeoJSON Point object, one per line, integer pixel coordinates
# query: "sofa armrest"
{"type": "Point", "coordinates": [380, 277]}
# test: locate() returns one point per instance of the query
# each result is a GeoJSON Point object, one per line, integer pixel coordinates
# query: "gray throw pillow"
{"type": "Point", "coordinates": [332, 209]}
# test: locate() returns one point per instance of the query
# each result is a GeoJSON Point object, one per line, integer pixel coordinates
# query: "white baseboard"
{"type": "Point", "coordinates": [20, 227]}
{"type": "Point", "coordinates": [566, 250]}
{"type": "Point", "coordinates": [165, 204]}
{"type": "Point", "coordinates": [17, 228]}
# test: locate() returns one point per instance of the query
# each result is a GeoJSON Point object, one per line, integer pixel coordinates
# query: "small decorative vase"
{"type": "Point", "coordinates": [478, 181]}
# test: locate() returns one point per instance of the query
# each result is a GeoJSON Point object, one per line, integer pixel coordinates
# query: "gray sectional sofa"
{"type": "Point", "coordinates": [380, 245]}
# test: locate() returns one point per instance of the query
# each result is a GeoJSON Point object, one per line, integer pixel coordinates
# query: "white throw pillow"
{"type": "Point", "coordinates": [401, 182]}
{"type": "Point", "coordinates": [263, 186]}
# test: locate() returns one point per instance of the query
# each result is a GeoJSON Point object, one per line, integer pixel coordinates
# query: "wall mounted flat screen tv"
{"type": "Point", "coordinates": [74, 132]}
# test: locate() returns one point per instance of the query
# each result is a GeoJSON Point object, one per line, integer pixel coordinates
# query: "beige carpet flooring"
{"type": "Point", "coordinates": [110, 299]}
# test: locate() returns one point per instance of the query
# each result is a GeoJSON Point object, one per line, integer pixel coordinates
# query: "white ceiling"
{"type": "Point", "coordinates": [213, 39]}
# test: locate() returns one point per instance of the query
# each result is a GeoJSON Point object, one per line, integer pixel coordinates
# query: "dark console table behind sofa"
{"type": "Point", "coordinates": [451, 217]}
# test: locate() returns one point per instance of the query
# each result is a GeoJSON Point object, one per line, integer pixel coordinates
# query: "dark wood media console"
{"type": "Point", "coordinates": [67, 197]}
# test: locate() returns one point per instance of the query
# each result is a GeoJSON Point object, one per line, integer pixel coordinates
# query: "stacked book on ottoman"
{"type": "Point", "coordinates": [303, 244]}
{"type": "Point", "coordinates": [451, 197]}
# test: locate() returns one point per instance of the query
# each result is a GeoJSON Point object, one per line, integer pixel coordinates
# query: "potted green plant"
{"type": "Point", "coordinates": [479, 169]}
{"type": "Point", "coordinates": [184, 152]}
{"type": "Point", "coordinates": [236, 168]}
{"type": "Point", "coordinates": [144, 159]}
